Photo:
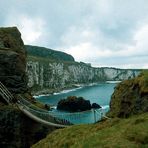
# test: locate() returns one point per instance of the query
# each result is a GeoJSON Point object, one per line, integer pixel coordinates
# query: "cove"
{"type": "Point", "coordinates": [99, 93]}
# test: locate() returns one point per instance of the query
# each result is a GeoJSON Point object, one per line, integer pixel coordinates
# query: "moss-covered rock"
{"type": "Point", "coordinates": [130, 97]}
{"type": "Point", "coordinates": [74, 104]}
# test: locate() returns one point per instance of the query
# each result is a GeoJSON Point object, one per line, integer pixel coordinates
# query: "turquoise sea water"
{"type": "Point", "coordinates": [98, 93]}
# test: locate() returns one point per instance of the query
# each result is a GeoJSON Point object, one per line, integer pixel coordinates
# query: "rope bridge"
{"type": "Point", "coordinates": [58, 119]}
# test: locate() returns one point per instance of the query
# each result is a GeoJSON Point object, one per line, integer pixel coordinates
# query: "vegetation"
{"type": "Point", "coordinates": [48, 53]}
{"type": "Point", "coordinates": [130, 97]}
{"type": "Point", "coordinates": [143, 81]}
{"type": "Point", "coordinates": [122, 133]}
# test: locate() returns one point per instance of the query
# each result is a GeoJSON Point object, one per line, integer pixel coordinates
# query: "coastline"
{"type": "Point", "coordinates": [73, 87]}
{"type": "Point", "coordinates": [47, 92]}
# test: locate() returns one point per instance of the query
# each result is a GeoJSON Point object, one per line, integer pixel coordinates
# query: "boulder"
{"type": "Point", "coordinates": [74, 104]}
{"type": "Point", "coordinates": [95, 106]}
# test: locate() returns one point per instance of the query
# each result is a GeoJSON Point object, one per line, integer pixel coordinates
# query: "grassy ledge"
{"type": "Point", "coordinates": [114, 133]}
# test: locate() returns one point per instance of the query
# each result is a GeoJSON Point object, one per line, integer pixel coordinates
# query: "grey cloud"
{"type": "Point", "coordinates": [113, 23]}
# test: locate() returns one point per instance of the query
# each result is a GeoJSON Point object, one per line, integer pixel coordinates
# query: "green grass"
{"type": "Point", "coordinates": [143, 81]}
{"type": "Point", "coordinates": [145, 75]}
{"type": "Point", "coordinates": [114, 133]}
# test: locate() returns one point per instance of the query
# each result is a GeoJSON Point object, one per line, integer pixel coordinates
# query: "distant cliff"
{"type": "Point", "coordinates": [45, 73]}
{"type": "Point", "coordinates": [48, 53]}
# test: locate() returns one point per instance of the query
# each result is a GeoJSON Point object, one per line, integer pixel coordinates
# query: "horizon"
{"type": "Point", "coordinates": [105, 33]}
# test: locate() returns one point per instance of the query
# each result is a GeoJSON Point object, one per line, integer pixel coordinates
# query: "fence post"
{"type": "Point", "coordinates": [94, 115]}
{"type": "Point", "coordinates": [101, 113]}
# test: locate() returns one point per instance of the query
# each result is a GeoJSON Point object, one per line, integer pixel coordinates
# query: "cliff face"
{"type": "Point", "coordinates": [130, 97]}
{"type": "Point", "coordinates": [16, 130]}
{"type": "Point", "coordinates": [12, 60]}
{"type": "Point", "coordinates": [45, 74]}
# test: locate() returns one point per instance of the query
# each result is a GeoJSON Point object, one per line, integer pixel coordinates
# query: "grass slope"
{"type": "Point", "coordinates": [48, 53]}
{"type": "Point", "coordinates": [113, 133]}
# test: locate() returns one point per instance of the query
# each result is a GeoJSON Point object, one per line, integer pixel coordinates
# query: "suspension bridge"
{"type": "Point", "coordinates": [57, 119]}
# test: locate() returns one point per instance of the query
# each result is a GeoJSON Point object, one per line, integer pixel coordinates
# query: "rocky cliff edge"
{"type": "Point", "coordinates": [130, 97]}
{"type": "Point", "coordinates": [16, 130]}
{"type": "Point", "coordinates": [12, 60]}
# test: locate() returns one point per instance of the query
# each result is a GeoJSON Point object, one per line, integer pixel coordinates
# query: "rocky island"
{"type": "Point", "coordinates": [76, 104]}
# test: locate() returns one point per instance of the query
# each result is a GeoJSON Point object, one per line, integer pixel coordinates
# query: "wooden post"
{"type": "Point", "coordinates": [101, 113]}
{"type": "Point", "coordinates": [94, 115]}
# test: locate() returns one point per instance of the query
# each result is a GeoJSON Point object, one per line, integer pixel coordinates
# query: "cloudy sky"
{"type": "Point", "coordinates": [110, 33]}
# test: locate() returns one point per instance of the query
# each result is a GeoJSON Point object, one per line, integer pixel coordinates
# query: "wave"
{"type": "Point", "coordinates": [105, 107]}
{"type": "Point", "coordinates": [113, 82]}
{"type": "Point", "coordinates": [38, 96]}
{"type": "Point", "coordinates": [67, 91]}
{"type": "Point", "coordinates": [57, 93]}
{"type": "Point", "coordinates": [92, 84]}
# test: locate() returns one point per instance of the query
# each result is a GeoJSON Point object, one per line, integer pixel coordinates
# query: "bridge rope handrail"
{"type": "Point", "coordinates": [51, 118]}
{"type": "Point", "coordinates": [70, 117]}
{"type": "Point", "coordinates": [6, 90]}
{"type": "Point", "coordinates": [46, 116]}
{"type": "Point", "coordinates": [42, 113]}
{"type": "Point", "coordinates": [36, 109]}
{"type": "Point", "coordinates": [5, 93]}
{"type": "Point", "coordinates": [51, 112]}
{"type": "Point", "coordinates": [32, 113]}
{"type": "Point", "coordinates": [27, 103]}
{"type": "Point", "coordinates": [56, 114]}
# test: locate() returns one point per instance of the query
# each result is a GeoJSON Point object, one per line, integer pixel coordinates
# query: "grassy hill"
{"type": "Point", "coordinates": [113, 133]}
{"type": "Point", "coordinates": [43, 52]}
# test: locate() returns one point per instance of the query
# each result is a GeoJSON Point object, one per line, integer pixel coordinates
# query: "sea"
{"type": "Point", "coordinates": [99, 93]}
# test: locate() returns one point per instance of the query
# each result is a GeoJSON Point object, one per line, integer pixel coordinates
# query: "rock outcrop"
{"type": "Point", "coordinates": [12, 60]}
{"type": "Point", "coordinates": [16, 130]}
{"type": "Point", "coordinates": [95, 106]}
{"type": "Point", "coordinates": [74, 104]}
{"type": "Point", "coordinates": [130, 97]}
